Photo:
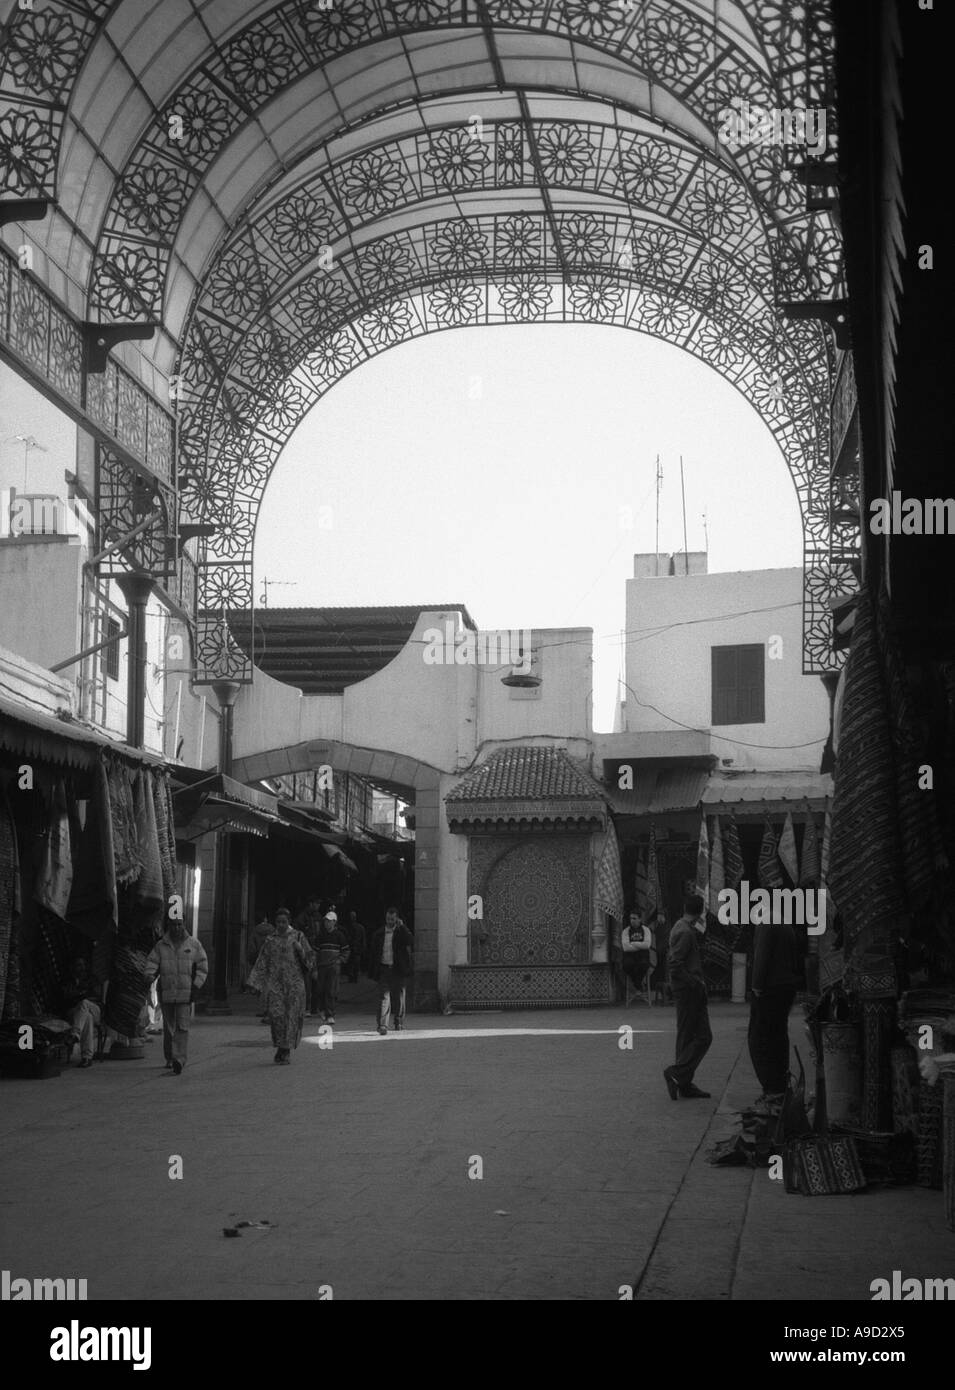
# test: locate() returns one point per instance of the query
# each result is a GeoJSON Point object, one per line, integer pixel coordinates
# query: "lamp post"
{"type": "Point", "coordinates": [136, 589]}
{"type": "Point", "coordinates": [225, 692]}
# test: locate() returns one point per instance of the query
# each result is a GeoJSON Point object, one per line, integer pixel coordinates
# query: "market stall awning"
{"type": "Point", "coordinates": [217, 813]}
{"type": "Point", "coordinates": [772, 792]}
{"type": "Point", "coordinates": [206, 801]}
{"type": "Point", "coordinates": [334, 852]}
{"type": "Point", "coordinates": [37, 734]}
{"type": "Point", "coordinates": [656, 790]}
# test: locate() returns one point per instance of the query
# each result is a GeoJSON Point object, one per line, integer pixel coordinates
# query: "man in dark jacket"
{"type": "Point", "coordinates": [776, 975]}
{"type": "Point", "coordinates": [391, 963]}
{"type": "Point", "coordinates": [685, 968]}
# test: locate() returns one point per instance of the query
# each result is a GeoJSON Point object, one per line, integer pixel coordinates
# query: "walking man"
{"type": "Point", "coordinates": [182, 966]}
{"type": "Point", "coordinates": [391, 963]}
{"type": "Point", "coordinates": [775, 979]}
{"type": "Point", "coordinates": [328, 945]}
{"type": "Point", "coordinates": [685, 967]}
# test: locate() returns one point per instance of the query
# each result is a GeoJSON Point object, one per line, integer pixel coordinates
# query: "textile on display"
{"type": "Point", "coordinates": [770, 873]}
{"type": "Point", "coordinates": [717, 872]}
{"type": "Point", "coordinates": [865, 863]}
{"type": "Point", "coordinates": [609, 887]}
{"type": "Point", "coordinates": [50, 964]}
{"type": "Point", "coordinates": [821, 1166]}
{"type": "Point", "coordinates": [919, 833]}
{"type": "Point", "coordinates": [125, 842]}
{"type": "Point", "coordinates": [811, 863]}
{"type": "Point", "coordinates": [877, 1019]}
{"type": "Point", "coordinates": [92, 907]}
{"type": "Point", "coordinates": [929, 1138]}
{"type": "Point", "coordinates": [165, 829]}
{"type": "Point", "coordinates": [703, 863]}
{"type": "Point", "coordinates": [149, 884]}
{"type": "Point", "coordinates": [787, 848]}
{"type": "Point", "coordinates": [55, 875]}
{"type": "Point", "coordinates": [905, 1090]}
{"type": "Point", "coordinates": [126, 997]}
{"type": "Point", "coordinates": [9, 912]}
{"type": "Point", "coordinates": [948, 1147]}
{"type": "Point", "coordinates": [732, 856]}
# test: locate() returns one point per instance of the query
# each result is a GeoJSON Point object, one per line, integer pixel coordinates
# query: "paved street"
{"type": "Point", "coordinates": [359, 1157]}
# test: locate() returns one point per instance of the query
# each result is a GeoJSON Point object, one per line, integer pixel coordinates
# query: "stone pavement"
{"type": "Point", "coordinates": [359, 1158]}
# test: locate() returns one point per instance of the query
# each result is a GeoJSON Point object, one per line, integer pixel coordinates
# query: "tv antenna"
{"type": "Point", "coordinates": [268, 584]}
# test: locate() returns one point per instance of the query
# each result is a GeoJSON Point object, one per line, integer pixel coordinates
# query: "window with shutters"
{"type": "Point", "coordinates": [739, 684]}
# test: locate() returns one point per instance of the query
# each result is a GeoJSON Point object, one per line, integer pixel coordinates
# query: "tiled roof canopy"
{"type": "Point", "coordinates": [527, 785]}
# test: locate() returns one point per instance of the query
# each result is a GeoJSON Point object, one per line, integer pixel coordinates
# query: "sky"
{"type": "Point", "coordinates": [512, 470]}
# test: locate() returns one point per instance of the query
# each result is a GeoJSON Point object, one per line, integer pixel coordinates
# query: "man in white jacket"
{"type": "Point", "coordinates": [181, 963]}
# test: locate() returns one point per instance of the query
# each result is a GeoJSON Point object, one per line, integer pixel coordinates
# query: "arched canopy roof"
{"type": "Point", "coordinates": [285, 189]}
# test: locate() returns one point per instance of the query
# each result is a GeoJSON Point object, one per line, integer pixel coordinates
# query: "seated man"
{"type": "Point", "coordinates": [636, 941]}
{"type": "Point", "coordinates": [81, 998]}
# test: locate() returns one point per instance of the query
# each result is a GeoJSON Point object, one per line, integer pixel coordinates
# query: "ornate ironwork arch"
{"type": "Point", "coordinates": [209, 205]}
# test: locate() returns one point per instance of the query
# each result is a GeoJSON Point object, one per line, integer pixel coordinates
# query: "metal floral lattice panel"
{"type": "Point", "coordinates": [48, 339]}
{"type": "Point", "coordinates": [785, 56]}
{"type": "Point", "coordinates": [40, 56]}
{"type": "Point", "coordinates": [124, 499]}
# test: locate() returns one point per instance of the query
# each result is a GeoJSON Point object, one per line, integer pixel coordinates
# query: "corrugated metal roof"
{"type": "Point", "coordinates": [659, 789]}
{"type": "Point", "coordinates": [323, 651]}
{"type": "Point", "coordinates": [524, 773]}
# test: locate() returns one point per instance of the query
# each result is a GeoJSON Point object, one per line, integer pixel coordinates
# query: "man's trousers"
{"type": "Point", "coordinates": [693, 1033]}
{"type": "Point", "coordinates": [175, 1031]}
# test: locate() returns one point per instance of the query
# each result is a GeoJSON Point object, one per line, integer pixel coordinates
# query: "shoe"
{"type": "Point", "coordinates": [263, 1018]}
{"type": "Point", "coordinates": [382, 1031]}
{"type": "Point", "coordinates": [309, 1015]}
{"type": "Point", "coordinates": [329, 1018]}
{"type": "Point", "coordinates": [168, 1066]}
{"type": "Point", "coordinates": [694, 1093]}
{"type": "Point", "coordinates": [399, 1027]}
{"type": "Point", "coordinates": [671, 1084]}
{"type": "Point", "coordinates": [278, 1055]}
{"type": "Point", "coordinates": [86, 1062]}
{"type": "Point", "coordinates": [176, 1067]}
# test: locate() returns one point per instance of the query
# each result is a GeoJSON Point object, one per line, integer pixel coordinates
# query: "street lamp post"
{"type": "Point", "coordinates": [225, 692]}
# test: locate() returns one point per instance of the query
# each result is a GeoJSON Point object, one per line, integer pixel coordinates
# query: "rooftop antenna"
{"type": "Point", "coordinates": [706, 539]}
{"type": "Point", "coordinates": [656, 557]}
{"type": "Point", "coordinates": [686, 548]}
{"type": "Point", "coordinates": [268, 584]}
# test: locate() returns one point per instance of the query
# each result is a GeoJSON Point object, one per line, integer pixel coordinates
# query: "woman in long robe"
{"type": "Point", "coordinates": [281, 972]}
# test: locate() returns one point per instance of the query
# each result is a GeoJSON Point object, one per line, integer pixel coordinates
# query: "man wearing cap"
{"type": "Point", "coordinates": [329, 943]}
